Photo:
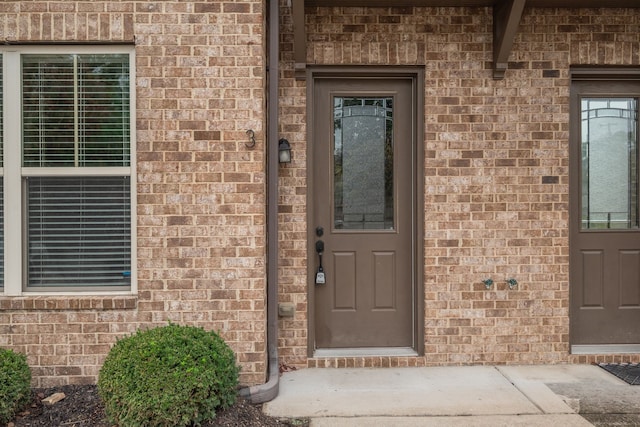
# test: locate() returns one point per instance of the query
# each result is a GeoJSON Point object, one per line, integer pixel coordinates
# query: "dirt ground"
{"type": "Point", "coordinates": [82, 407]}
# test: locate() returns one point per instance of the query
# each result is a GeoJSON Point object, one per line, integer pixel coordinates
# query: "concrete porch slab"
{"type": "Point", "coordinates": [543, 420]}
{"type": "Point", "coordinates": [409, 392]}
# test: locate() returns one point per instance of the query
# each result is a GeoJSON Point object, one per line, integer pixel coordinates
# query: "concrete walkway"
{"type": "Point", "coordinates": [434, 396]}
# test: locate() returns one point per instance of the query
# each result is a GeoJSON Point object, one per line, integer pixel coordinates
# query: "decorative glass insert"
{"type": "Point", "coordinates": [363, 163]}
{"type": "Point", "coordinates": [75, 110]}
{"type": "Point", "coordinates": [609, 137]}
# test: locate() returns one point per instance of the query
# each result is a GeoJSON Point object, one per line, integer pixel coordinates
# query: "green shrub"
{"type": "Point", "coordinates": [168, 376]}
{"type": "Point", "coordinates": [15, 384]}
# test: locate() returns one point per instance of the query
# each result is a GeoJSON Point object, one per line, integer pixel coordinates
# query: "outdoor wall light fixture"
{"type": "Point", "coordinates": [284, 151]}
{"type": "Point", "coordinates": [512, 283]}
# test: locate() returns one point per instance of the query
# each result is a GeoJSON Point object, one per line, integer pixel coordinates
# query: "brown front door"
{"type": "Point", "coordinates": [605, 233]}
{"type": "Point", "coordinates": [363, 212]}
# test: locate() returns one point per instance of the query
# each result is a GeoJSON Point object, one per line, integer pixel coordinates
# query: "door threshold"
{"type": "Point", "coordinates": [605, 349]}
{"type": "Point", "coordinates": [364, 351]}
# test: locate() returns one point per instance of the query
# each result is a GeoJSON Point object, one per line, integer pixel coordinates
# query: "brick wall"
{"type": "Point", "coordinates": [201, 192]}
{"type": "Point", "coordinates": [495, 178]}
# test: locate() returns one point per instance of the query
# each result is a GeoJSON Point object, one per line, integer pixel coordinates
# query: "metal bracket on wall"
{"type": "Point", "coordinates": [506, 18]}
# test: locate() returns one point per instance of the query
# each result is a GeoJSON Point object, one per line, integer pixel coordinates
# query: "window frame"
{"type": "Point", "coordinates": [13, 173]}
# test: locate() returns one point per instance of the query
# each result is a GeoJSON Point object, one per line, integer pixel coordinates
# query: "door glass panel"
{"type": "Point", "coordinates": [609, 163]}
{"type": "Point", "coordinates": [363, 163]}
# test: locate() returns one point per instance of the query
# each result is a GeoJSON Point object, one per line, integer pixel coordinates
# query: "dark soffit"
{"type": "Point", "coordinates": [474, 3]}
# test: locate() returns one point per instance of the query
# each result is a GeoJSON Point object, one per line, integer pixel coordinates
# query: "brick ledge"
{"type": "Point", "coordinates": [88, 302]}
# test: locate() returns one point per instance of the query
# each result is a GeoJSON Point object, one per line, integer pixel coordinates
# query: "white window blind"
{"type": "Point", "coordinates": [75, 110]}
{"type": "Point", "coordinates": [79, 231]}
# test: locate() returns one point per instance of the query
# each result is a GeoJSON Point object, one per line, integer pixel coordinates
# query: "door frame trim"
{"type": "Point", "coordinates": [417, 76]}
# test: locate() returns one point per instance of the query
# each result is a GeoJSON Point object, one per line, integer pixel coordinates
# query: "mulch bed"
{"type": "Point", "coordinates": [82, 407]}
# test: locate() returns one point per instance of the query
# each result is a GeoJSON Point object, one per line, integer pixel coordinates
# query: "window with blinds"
{"type": "Point", "coordinates": [79, 231]}
{"type": "Point", "coordinates": [75, 110]}
{"type": "Point", "coordinates": [76, 153]}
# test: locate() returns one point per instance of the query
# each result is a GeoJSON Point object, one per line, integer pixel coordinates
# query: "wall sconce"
{"type": "Point", "coordinates": [284, 151]}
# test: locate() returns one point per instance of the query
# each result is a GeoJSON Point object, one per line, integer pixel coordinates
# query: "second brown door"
{"type": "Point", "coordinates": [605, 217]}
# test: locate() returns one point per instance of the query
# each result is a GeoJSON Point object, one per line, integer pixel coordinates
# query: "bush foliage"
{"type": "Point", "coordinates": [15, 384]}
{"type": "Point", "coordinates": [168, 376]}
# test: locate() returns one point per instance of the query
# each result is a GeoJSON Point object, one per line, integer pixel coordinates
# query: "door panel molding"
{"type": "Point", "coordinates": [344, 275]}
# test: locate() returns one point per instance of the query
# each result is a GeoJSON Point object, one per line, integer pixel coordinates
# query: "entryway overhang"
{"type": "Point", "coordinates": [506, 18]}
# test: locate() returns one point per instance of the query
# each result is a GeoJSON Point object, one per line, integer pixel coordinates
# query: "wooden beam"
{"type": "Point", "coordinates": [299, 39]}
{"type": "Point", "coordinates": [506, 18]}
